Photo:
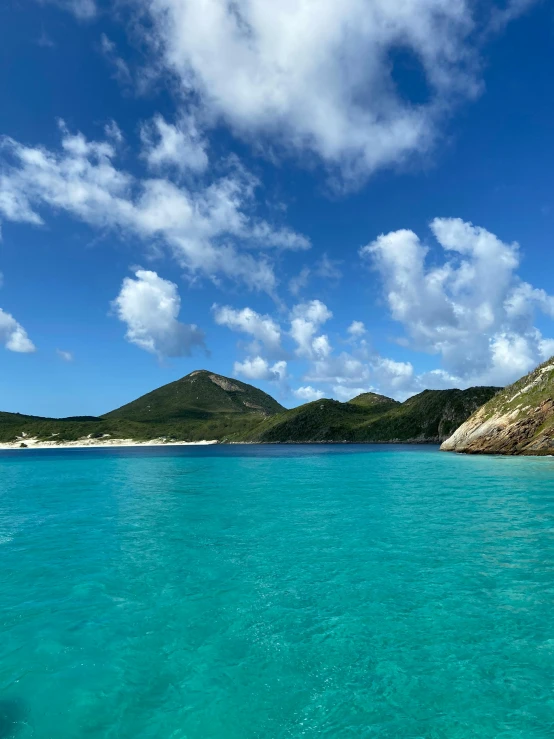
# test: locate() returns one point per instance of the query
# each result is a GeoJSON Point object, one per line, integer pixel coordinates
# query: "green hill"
{"type": "Point", "coordinates": [7, 418]}
{"type": "Point", "coordinates": [198, 396]}
{"type": "Point", "coordinates": [204, 405]}
{"type": "Point", "coordinates": [519, 420]}
{"type": "Point", "coordinates": [432, 414]}
{"type": "Point", "coordinates": [373, 400]}
{"type": "Point", "coordinates": [430, 417]}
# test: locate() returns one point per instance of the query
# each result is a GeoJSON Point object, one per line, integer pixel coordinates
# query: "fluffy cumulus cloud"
{"type": "Point", "coordinates": [342, 374]}
{"type": "Point", "coordinates": [262, 328]}
{"type": "Point", "coordinates": [307, 393]}
{"type": "Point", "coordinates": [150, 306]}
{"type": "Point", "coordinates": [345, 374]}
{"type": "Point", "coordinates": [396, 377]}
{"type": "Point", "coordinates": [468, 309]}
{"type": "Point", "coordinates": [472, 309]}
{"type": "Point", "coordinates": [13, 335]}
{"type": "Point", "coordinates": [322, 76]}
{"type": "Point", "coordinates": [356, 329]}
{"type": "Point", "coordinates": [306, 320]}
{"type": "Point", "coordinates": [210, 228]}
{"type": "Point", "coordinates": [346, 393]}
{"type": "Point", "coordinates": [258, 368]}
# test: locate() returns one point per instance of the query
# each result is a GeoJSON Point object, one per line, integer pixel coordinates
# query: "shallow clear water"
{"type": "Point", "coordinates": [275, 592]}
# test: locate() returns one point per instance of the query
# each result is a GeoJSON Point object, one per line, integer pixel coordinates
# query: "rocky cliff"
{"type": "Point", "coordinates": [518, 420]}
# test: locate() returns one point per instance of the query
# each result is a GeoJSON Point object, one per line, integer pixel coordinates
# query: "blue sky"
{"type": "Point", "coordinates": [319, 198]}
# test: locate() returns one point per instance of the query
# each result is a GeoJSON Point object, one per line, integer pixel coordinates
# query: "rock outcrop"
{"type": "Point", "coordinates": [518, 420]}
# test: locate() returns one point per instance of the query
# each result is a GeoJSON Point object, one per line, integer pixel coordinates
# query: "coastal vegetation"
{"type": "Point", "coordinates": [204, 405]}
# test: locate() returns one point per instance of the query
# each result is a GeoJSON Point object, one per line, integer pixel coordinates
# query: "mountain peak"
{"type": "Point", "coordinates": [198, 395]}
{"type": "Point", "coordinates": [230, 386]}
{"type": "Point", "coordinates": [371, 399]}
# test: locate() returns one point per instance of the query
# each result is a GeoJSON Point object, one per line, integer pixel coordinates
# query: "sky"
{"type": "Point", "coordinates": [318, 198]}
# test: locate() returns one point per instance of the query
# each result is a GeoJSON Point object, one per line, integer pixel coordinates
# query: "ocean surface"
{"type": "Point", "coordinates": [275, 593]}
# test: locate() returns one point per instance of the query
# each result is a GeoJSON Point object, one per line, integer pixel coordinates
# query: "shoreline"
{"type": "Point", "coordinates": [95, 444]}
{"type": "Point", "coordinates": [82, 444]}
{"type": "Point", "coordinates": [33, 443]}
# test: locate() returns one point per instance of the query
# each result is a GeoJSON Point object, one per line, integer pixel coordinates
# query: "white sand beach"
{"type": "Point", "coordinates": [88, 443]}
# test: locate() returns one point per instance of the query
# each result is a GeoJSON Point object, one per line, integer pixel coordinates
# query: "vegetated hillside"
{"type": "Point", "coordinates": [17, 418]}
{"type": "Point", "coordinates": [429, 417]}
{"type": "Point", "coordinates": [372, 400]}
{"type": "Point", "coordinates": [198, 396]}
{"type": "Point", "coordinates": [15, 426]}
{"type": "Point", "coordinates": [206, 406]}
{"type": "Point", "coordinates": [200, 406]}
{"type": "Point", "coordinates": [519, 420]}
{"type": "Point", "coordinates": [218, 427]}
{"type": "Point", "coordinates": [432, 414]}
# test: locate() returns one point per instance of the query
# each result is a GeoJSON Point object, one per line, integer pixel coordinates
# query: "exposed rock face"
{"type": "Point", "coordinates": [519, 420]}
{"type": "Point", "coordinates": [225, 384]}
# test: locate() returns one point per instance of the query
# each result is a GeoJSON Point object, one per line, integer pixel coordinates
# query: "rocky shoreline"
{"type": "Point", "coordinates": [517, 421]}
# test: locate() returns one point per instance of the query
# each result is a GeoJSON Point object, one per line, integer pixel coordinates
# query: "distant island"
{"type": "Point", "coordinates": [206, 407]}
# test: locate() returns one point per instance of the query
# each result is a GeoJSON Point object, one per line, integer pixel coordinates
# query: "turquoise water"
{"type": "Point", "coordinates": [275, 593]}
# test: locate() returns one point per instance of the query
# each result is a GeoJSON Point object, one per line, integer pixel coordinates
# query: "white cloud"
{"type": "Point", "coordinates": [393, 375]}
{"type": "Point", "coordinates": [344, 394]}
{"type": "Point", "coordinates": [341, 369]}
{"type": "Point", "coordinates": [112, 131]}
{"type": "Point", "coordinates": [262, 328]}
{"type": "Point", "coordinates": [346, 371]}
{"type": "Point", "coordinates": [258, 368]}
{"type": "Point", "coordinates": [546, 348]}
{"type": "Point", "coordinates": [472, 310]}
{"type": "Point", "coordinates": [318, 75]}
{"type": "Point", "coordinates": [356, 329]}
{"type": "Point", "coordinates": [13, 335]}
{"type": "Point", "coordinates": [150, 306]}
{"type": "Point", "coordinates": [206, 229]}
{"type": "Point", "coordinates": [180, 146]}
{"type": "Point", "coordinates": [313, 311]}
{"type": "Point", "coordinates": [306, 319]}
{"type": "Point", "coordinates": [308, 393]}
{"type": "Point", "coordinates": [66, 356]}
